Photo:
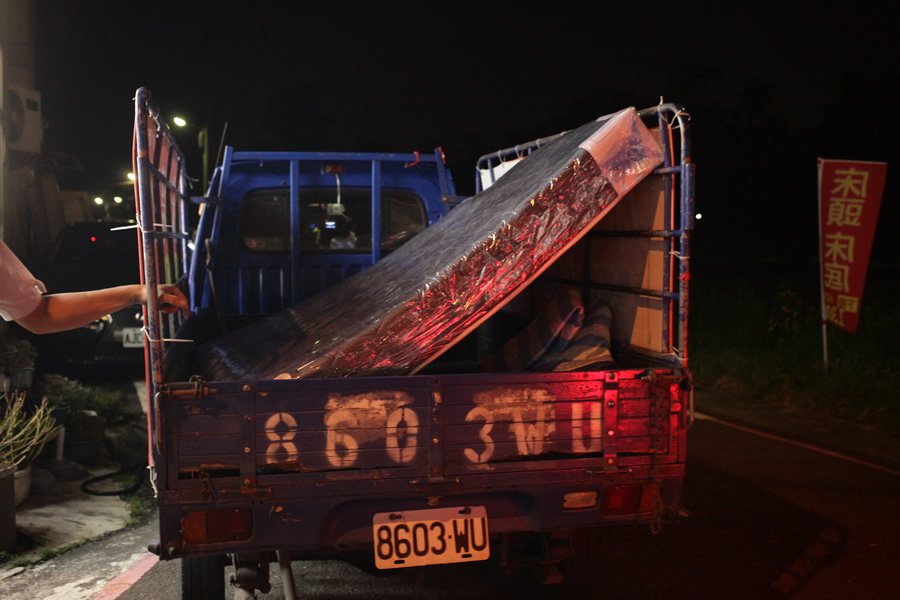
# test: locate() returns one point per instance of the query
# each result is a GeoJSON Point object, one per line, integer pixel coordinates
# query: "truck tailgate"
{"type": "Point", "coordinates": [360, 446]}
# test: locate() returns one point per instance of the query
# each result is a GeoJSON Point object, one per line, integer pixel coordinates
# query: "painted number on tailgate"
{"type": "Point", "coordinates": [530, 415]}
{"type": "Point", "coordinates": [281, 429]}
{"type": "Point", "coordinates": [360, 418]}
{"type": "Point", "coordinates": [525, 416]}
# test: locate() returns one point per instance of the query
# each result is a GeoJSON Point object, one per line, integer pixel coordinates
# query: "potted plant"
{"type": "Point", "coordinates": [17, 357]}
{"type": "Point", "coordinates": [23, 434]}
{"type": "Point", "coordinates": [84, 436]}
{"type": "Point", "coordinates": [59, 391]}
{"type": "Point", "coordinates": [89, 409]}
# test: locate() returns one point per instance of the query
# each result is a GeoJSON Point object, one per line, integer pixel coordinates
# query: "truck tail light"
{"type": "Point", "coordinates": [628, 499]}
{"type": "Point", "coordinates": [223, 525]}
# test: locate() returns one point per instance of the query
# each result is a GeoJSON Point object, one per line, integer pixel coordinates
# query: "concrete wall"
{"type": "Point", "coordinates": [17, 57]}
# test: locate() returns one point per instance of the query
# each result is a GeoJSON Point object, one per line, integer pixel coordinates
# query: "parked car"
{"type": "Point", "coordinates": [85, 256]}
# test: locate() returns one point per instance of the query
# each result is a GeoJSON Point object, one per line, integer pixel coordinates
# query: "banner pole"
{"type": "Point", "coordinates": [822, 269]}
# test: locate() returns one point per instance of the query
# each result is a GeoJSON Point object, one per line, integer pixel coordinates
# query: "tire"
{"type": "Point", "coordinates": [580, 568]}
{"type": "Point", "coordinates": [203, 578]}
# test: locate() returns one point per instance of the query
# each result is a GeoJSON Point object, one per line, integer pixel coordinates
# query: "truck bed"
{"type": "Point", "coordinates": [414, 305]}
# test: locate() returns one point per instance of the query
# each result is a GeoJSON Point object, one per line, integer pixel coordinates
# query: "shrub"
{"type": "Point", "coordinates": [23, 433]}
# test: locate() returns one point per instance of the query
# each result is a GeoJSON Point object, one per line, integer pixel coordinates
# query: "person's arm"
{"type": "Point", "coordinates": [59, 312]}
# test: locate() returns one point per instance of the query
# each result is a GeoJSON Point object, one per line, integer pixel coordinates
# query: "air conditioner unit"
{"type": "Point", "coordinates": [23, 123]}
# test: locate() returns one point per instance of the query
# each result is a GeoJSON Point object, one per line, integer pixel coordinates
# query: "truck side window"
{"type": "Point", "coordinates": [266, 222]}
{"type": "Point", "coordinates": [329, 226]}
{"type": "Point", "coordinates": [402, 217]}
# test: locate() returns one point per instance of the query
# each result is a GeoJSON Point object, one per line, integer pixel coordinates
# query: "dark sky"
{"type": "Point", "coordinates": [769, 87]}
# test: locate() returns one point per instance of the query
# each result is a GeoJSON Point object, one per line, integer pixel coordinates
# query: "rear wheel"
{"type": "Point", "coordinates": [203, 578]}
{"type": "Point", "coordinates": [580, 567]}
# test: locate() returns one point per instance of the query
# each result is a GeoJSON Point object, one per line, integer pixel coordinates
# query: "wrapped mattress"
{"type": "Point", "coordinates": [412, 306]}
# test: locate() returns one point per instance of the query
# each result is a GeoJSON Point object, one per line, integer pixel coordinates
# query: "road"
{"type": "Point", "coordinates": [767, 520]}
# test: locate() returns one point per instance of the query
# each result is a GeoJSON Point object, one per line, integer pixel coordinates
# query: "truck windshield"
{"type": "Point", "coordinates": [327, 225]}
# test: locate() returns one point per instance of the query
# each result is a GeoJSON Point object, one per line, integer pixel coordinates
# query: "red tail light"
{"type": "Point", "coordinates": [629, 499]}
{"type": "Point", "coordinates": [223, 525]}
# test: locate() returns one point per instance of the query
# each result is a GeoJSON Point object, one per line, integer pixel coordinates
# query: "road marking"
{"type": "Point", "coordinates": [123, 582]}
{"type": "Point", "coordinates": [810, 447]}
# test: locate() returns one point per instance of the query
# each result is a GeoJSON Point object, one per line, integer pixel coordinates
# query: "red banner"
{"type": "Point", "coordinates": [849, 201]}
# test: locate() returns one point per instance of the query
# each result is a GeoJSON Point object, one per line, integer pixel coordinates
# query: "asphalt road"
{"type": "Point", "coordinates": [767, 520]}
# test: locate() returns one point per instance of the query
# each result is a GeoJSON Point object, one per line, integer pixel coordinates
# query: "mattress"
{"type": "Point", "coordinates": [412, 306]}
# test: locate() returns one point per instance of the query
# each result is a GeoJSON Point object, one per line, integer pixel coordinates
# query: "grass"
{"type": "Point", "coordinates": [141, 504]}
{"type": "Point", "coordinates": [10, 560]}
{"type": "Point", "coordinates": [757, 334]}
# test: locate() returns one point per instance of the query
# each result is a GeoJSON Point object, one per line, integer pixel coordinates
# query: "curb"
{"type": "Point", "coordinates": [124, 580]}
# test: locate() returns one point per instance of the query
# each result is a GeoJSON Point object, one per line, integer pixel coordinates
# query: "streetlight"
{"type": "Point", "coordinates": [203, 144]}
{"type": "Point", "coordinates": [101, 203]}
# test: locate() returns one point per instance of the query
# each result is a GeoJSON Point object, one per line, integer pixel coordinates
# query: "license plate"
{"type": "Point", "coordinates": [132, 337]}
{"type": "Point", "coordinates": [430, 537]}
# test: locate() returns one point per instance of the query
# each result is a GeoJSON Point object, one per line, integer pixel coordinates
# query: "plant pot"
{"type": "Point", "coordinates": [22, 379]}
{"type": "Point", "coordinates": [82, 451]}
{"type": "Point", "coordinates": [84, 434]}
{"type": "Point", "coordinates": [7, 508]}
{"type": "Point", "coordinates": [22, 484]}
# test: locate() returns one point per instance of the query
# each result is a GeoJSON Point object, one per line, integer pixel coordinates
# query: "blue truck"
{"type": "Point", "coordinates": [311, 407]}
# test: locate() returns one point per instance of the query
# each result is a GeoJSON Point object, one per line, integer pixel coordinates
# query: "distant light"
{"type": "Point", "coordinates": [117, 199]}
{"type": "Point", "coordinates": [698, 216]}
{"type": "Point", "coordinates": [179, 121]}
{"type": "Point", "coordinates": [130, 176]}
{"type": "Point", "coordinates": [98, 201]}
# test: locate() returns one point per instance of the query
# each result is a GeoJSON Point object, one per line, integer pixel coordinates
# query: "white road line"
{"type": "Point", "coordinates": [810, 447]}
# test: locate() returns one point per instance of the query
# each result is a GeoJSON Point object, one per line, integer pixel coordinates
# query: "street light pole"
{"type": "Point", "coordinates": [203, 145]}
{"type": "Point", "coordinates": [203, 142]}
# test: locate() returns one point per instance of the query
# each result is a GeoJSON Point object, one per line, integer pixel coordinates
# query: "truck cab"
{"type": "Point", "coordinates": [278, 227]}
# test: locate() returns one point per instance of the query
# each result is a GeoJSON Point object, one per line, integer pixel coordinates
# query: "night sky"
{"type": "Point", "coordinates": [768, 89]}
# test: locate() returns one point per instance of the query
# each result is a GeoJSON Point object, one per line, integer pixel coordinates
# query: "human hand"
{"type": "Point", "coordinates": [171, 298]}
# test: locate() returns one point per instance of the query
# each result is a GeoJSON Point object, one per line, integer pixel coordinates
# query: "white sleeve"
{"type": "Point", "coordinates": [20, 292]}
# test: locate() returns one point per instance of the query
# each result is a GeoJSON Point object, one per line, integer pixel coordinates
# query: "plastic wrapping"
{"type": "Point", "coordinates": [413, 305]}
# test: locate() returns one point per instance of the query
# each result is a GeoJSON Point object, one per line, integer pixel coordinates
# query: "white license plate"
{"type": "Point", "coordinates": [132, 337]}
{"type": "Point", "coordinates": [430, 537]}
